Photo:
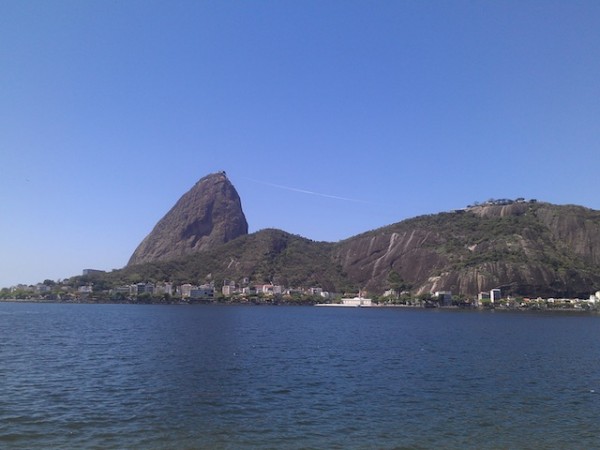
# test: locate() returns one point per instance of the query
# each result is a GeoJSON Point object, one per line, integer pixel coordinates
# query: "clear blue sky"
{"type": "Point", "coordinates": [111, 110]}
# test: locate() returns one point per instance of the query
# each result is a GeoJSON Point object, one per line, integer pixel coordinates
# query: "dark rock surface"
{"type": "Point", "coordinates": [208, 215]}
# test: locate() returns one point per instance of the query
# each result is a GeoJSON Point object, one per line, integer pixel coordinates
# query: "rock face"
{"type": "Point", "coordinates": [208, 215]}
{"type": "Point", "coordinates": [525, 249]}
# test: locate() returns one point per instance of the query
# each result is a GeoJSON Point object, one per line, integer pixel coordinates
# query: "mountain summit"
{"type": "Point", "coordinates": [208, 215]}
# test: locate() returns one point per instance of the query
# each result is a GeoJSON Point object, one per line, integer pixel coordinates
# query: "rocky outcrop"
{"type": "Point", "coordinates": [524, 248]}
{"type": "Point", "coordinates": [208, 215]}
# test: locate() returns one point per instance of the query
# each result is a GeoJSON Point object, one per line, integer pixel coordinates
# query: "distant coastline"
{"type": "Point", "coordinates": [590, 311]}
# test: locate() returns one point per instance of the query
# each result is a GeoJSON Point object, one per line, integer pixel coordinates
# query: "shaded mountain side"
{"type": "Point", "coordinates": [524, 248]}
{"type": "Point", "coordinates": [265, 256]}
{"type": "Point", "coordinates": [208, 215]}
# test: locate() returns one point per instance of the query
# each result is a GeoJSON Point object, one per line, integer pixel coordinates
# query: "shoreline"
{"type": "Point", "coordinates": [319, 305]}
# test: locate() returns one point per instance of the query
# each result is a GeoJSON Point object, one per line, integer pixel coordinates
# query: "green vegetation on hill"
{"type": "Point", "coordinates": [528, 248]}
{"type": "Point", "coordinates": [263, 257]}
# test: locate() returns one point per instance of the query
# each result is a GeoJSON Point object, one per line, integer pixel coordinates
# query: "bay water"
{"type": "Point", "coordinates": [253, 377]}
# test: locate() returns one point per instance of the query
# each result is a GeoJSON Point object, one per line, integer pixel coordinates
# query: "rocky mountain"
{"type": "Point", "coordinates": [523, 247]}
{"type": "Point", "coordinates": [208, 215]}
{"type": "Point", "coordinates": [267, 256]}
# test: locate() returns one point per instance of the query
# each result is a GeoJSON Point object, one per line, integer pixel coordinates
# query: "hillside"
{"type": "Point", "coordinates": [265, 256]}
{"type": "Point", "coordinates": [524, 248]}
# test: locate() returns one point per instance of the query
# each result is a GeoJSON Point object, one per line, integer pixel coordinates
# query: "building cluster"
{"type": "Point", "coordinates": [494, 298]}
{"type": "Point", "coordinates": [245, 288]}
{"type": "Point", "coordinates": [501, 202]}
{"type": "Point", "coordinates": [37, 289]}
{"type": "Point", "coordinates": [186, 290]}
{"type": "Point", "coordinates": [229, 289]}
{"type": "Point", "coordinates": [490, 299]}
{"type": "Point", "coordinates": [61, 291]}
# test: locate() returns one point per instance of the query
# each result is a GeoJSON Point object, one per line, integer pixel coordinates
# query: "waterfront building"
{"type": "Point", "coordinates": [249, 290]}
{"type": "Point", "coordinates": [204, 292]}
{"type": "Point", "coordinates": [144, 288]}
{"type": "Point", "coordinates": [228, 290]}
{"type": "Point", "coordinates": [357, 301]}
{"type": "Point", "coordinates": [186, 290]}
{"type": "Point", "coordinates": [315, 291]}
{"type": "Point", "coordinates": [165, 288]}
{"type": "Point", "coordinates": [495, 294]}
{"type": "Point", "coordinates": [444, 297]}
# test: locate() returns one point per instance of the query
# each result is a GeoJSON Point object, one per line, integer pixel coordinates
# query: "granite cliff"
{"type": "Point", "coordinates": [208, 215]}
{"type": "Point", "coordinates": [525, 248]}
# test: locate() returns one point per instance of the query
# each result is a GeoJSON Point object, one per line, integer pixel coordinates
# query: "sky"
{"type": "Point", "coordinates": [330, 118]}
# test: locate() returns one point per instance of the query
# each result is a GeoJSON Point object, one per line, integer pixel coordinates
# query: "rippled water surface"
{"type": "Point", "coordinates": [229, 377]}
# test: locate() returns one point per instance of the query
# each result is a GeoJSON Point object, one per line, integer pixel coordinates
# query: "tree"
{"type": "Point", "coordinates": [397, 283]}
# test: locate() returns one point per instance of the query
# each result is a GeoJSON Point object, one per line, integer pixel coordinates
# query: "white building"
{"type": "Point", "coordinates": [142, 288]}
{"type": "Point", "coordinates": [356, 301]}
{"type": "Point", "coordinates": [186, 290]}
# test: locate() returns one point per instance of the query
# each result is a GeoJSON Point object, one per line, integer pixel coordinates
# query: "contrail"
{"type": "Point", "coordinates": [304, 191]}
